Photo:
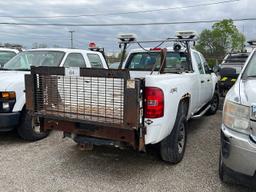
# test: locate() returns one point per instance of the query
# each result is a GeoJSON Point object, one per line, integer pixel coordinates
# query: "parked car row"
{"type": "Point", "coordinates": [147, 102]}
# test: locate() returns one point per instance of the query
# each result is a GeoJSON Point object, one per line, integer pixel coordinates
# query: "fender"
{"type": "Point", "coordinates": [187, 98]}
{"type": "Point", "coordinates": [176, 87]}
{"type": "Point", "coordinates": [20, 103]}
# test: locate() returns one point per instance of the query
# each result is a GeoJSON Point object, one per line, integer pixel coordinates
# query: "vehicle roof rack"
{"type": "Point", "coordinates": [182, 38]}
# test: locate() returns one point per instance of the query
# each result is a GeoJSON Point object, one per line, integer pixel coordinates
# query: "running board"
{"type": "Point", "coordinates": [202, 113]}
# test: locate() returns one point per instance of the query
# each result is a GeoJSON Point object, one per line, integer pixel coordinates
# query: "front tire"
{"type": "Point", "coordinates": [172, 148]}
{"type": "Point", "coordinates": [221, 169]}
{"type": "Point", "coordinates": [29, 128]}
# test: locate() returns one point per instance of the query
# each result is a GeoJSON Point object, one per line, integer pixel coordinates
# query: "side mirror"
{"type": "Point", "coordinates": [216, 69]}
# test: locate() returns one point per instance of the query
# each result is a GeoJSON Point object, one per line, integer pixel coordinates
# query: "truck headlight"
{"type": "Point", "coordinates": [7, 101]}
{"type": "Point", "coordinates": [236, 116]}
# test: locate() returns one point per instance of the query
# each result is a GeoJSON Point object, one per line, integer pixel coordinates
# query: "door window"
{"type": "Point", "coordinates": [95, 60]}
{"type": "Point", "coordinates": [199, 63]}
{"type": "Point", "coordinates": [75, 60]}
{"type": "Point", "coordinates": [206, 66]}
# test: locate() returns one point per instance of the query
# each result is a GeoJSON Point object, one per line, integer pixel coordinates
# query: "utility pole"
{"type": "Point", "coordinates": [71, 39]}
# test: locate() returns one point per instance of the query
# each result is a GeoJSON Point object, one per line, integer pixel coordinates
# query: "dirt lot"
{"type": "Point", "coordinates": [56, 164]}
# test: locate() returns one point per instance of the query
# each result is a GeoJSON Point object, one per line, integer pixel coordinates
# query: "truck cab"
{"type": "Point", "coordinates": [139, 63]}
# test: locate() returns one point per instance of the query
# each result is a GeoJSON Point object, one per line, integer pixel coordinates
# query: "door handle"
{"type": "Point", "coordinates": [202, 81]}
{"type": "Point", "coordinates": [208, 80]}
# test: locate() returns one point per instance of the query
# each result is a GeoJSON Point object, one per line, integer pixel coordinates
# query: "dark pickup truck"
{"type": "Point", "coordinates": [230, 70]}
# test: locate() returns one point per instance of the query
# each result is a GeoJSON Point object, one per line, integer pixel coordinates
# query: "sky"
{"type": "Point", "coordinates": [106, 36]}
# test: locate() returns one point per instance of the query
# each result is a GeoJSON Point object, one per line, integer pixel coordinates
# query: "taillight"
{"type": "Point", "coordinates": [154, 102]}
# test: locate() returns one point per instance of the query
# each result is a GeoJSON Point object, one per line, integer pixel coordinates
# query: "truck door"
{"type": "Point", "coordinates": [203, 96]}
{"type": "Point", "coordinates": [208, 76]}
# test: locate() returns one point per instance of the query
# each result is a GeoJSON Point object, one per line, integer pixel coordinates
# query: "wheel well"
{"type": "Point", "coordinates": [185, 102]}
{"type": "Point", "coordinates": [217, 87]}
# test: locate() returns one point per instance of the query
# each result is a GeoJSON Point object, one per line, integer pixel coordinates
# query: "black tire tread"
{"type": "Point", "coordinates": [168, 147]}
{"type": "Point", "coordinates": [210, 111]}
{"type": "Point", "coordinates": [25, 130]}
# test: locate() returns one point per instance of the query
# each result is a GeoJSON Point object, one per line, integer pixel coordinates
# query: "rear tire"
{"type": "Point", "coordinates": [27, 129]}
{"type": "Point", "coordinates": [214, 104]}
{"type": "Point", "coordinates": [172, 148]}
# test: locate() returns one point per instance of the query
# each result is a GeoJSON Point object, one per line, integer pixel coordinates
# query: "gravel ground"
{"type": "Point", "coordinates": [56, 164]}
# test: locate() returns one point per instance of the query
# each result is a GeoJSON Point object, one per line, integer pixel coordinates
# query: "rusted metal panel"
{"type": "Point", "coordinates": [89, 130]}
{"type": "Point", "coordinates": [29, 92]}
{"type": "Point", "coordinates": [133, 103]}
{"type": "Point", "coordinates": [84, 72]}
{"type": "Point", "coordinates": [97, 96]}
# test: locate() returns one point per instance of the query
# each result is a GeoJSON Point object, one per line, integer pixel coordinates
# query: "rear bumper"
{"type": "Point", "coordinates": [9, 120]}
{"type": "Point", "coordinates": [94, 134]}
{"type": "Point", "coordinates": [238, 152]}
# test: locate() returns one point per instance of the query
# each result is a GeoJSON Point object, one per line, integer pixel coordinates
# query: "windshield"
{"type": "Point", "coordinates": [25, 60]}
{"type": "Point", "coordinates": [146, 61]}
{"type": "Point", "coordinates": [250, 70]}
{"type": "Point", "coordinates": [6, 56]}
{"type": "Point", "coordinates": [236, 59]}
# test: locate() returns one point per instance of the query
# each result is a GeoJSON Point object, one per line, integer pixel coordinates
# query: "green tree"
{"type": "Point", "coordinates": [222, 38]}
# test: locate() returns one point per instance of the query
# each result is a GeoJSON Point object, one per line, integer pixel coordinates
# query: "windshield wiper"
{"type": "Point", "coordinates": [5, 69]}
{"type": "Point", "coordinates": [251, 76]}
{"type": "Point", "coordinates": [21, 70]}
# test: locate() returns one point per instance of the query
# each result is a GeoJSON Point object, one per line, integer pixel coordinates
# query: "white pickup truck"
{"type": "Point", "coordinates": [148, 101]}
{"type": "Point", "coordinates": [13, 113]}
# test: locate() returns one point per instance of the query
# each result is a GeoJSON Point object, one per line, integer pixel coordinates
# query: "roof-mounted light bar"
{"type": "Point", "coordinates": [186, 34]}
{"type": "Point", "coordinates": [127, 37]}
